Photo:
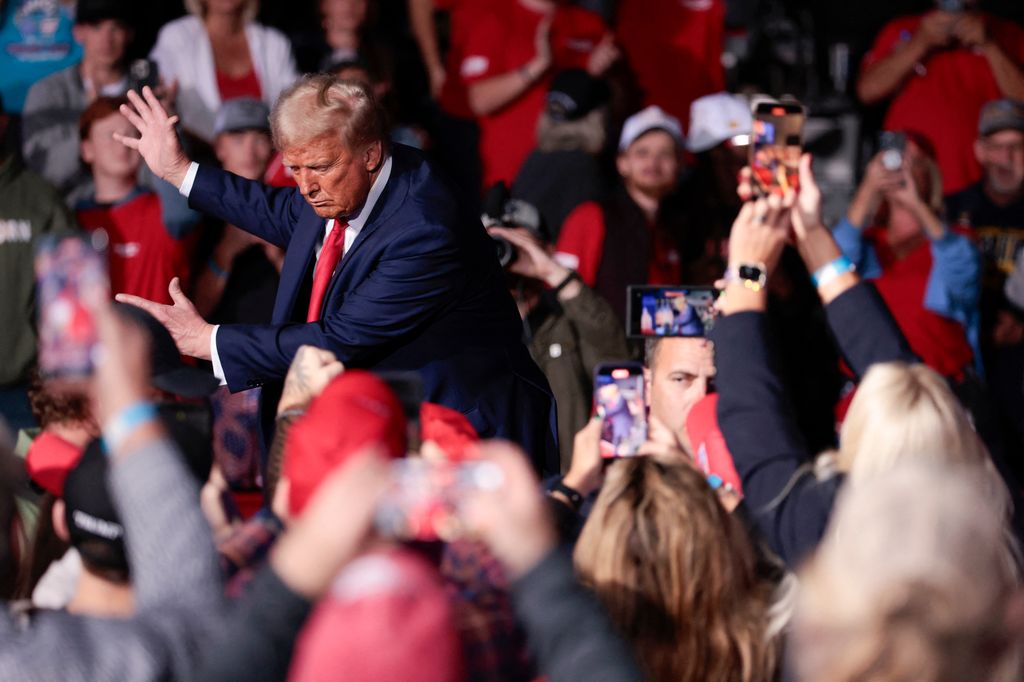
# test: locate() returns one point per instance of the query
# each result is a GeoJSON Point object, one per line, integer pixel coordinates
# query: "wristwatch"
{"type": "Point", "coordinates": [753, 276]}
{"type": "Point", "coordinates": [571, 494]}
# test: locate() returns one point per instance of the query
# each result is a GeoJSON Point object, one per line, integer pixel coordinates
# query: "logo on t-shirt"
{"type": "Point", "coordinates": [128, 249]}
{"type": "Point", "coordinates": [15, 231]}
{"type": "Point", "coordinates": [474, 66]}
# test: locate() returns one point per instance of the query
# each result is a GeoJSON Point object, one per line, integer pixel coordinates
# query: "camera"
{"type": "Point", "coordinates": [892, 145]}
{"type": "Point", "coordinates": [500, 210]}
{"type": "Point", "coordinates": [143, 72]}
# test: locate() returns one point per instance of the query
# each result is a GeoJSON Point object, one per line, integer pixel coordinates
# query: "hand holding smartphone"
{"type": "Point", "coordinates": [619, 401]}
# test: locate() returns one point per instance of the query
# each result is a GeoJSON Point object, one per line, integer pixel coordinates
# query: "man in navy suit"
{"type": "Point", "coordinates": [383, 267]}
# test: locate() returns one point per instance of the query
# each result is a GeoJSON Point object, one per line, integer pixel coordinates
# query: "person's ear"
{"type": "Point", "coordinates": [88, 151]}
{"type": "Point", "coordinates": [219, 145]}
{"type": "Point", "coordinates": [282, 498]}
{"type": "Point", "coordinates": [647, 386]}
{"type": "Point", "coordinates": [979, 151]}
{"type": "Point", "coordinates": [78, 31]}
{"type": "Point", "coordinates": [60, 524]}
{"type": "Point", "coordinates": [622, 164]}
{"type": "Point", "coordinates": [374, 156]}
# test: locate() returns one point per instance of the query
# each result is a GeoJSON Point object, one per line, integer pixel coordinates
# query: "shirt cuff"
{"type": "Point", "coordinates": [190, 177]}
{"type": "Point", "coordinates": [218, 369]}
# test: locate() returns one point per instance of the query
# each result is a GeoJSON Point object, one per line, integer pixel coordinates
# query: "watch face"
{"type": "Point", "coordinates": [751, 272]}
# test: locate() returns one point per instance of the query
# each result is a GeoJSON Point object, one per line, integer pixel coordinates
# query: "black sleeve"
{"type": "Point", "coordinates": [259, 634]}
{"type": "Point", "coordinates": [786, 502]}
{"type": "Point", "coordinates": [569, 633]}
{"type": "Point", "coordinates": [865, 330]}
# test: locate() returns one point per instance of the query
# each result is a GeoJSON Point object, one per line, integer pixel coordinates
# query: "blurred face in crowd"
{"type": "Point", "coordinates": [104, 43]}
{"type": "Point", "coordinates": [903, 226]}
{"type": "Point", "coordinates": [224, 6]}
{"type": "Point", "coordinates": [651, 164]}
{"type": "Point", "coordinates": [244, 152]}
{"type": "Point", "coordinates": [343, 15]}
{"type": "Point", "coordinates": [334, 179]}
{"type": "Point", "coordinates": [678, 376]}
{"type": "Point", "coordinates": [1001, 155]}
{"type": "Point", "coordinates": [727, 160]}
{"type": "Point", "coordinates": [107, 156]}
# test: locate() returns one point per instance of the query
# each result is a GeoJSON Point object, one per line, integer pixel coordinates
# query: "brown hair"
{"type": "Point", "coordinates": [677, 575]}
{"type": "Point", "coordinates": [52, 406]}
{"type": "Point", "coordinates": [100, 108]}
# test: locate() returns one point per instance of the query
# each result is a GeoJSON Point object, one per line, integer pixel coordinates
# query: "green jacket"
{"type": "Point", "coordinates": [569, 341]}
{"type": "Point", "coordinates": [29, 209]}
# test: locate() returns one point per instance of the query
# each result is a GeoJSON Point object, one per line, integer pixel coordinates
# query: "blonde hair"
{"type": "Point", "coordinates": [677, 575]}
{"type": "Point", "coordinates": [198, 8]}
{"type": "Point", "coordinates": [902, 411]}
{"type": "Point", "coordinates": [320, 105]}
{"type": "Point", "coordinates": [910, 583]}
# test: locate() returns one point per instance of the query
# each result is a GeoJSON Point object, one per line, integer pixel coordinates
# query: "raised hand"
{"type": "Point", "coordinates": [157, 141]}
{"type": "Point", "coordinates": [807, 212]}
{"type": "Point", "coordinates": [311, 370]}
{"type": "Point", "coordinates": [190, 332]}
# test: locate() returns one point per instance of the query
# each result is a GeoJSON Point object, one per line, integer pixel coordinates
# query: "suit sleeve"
{"type": "Point", "coordinates": [788, 504]}
{"type": "Point", "coordinates": [270, 213]}
{"type": "Point", "coordinates": [418, 274]}
{"type": "Point", "coordinates": [865, 331]}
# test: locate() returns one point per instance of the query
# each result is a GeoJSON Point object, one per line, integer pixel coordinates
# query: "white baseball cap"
{"type": "Point", "coordinates": [717, 118]}
{"type": "Point", "coordinates": [651, 118]}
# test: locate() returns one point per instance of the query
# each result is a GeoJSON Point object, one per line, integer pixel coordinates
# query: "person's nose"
{"type": "Point", "coordinates": [307, 187]}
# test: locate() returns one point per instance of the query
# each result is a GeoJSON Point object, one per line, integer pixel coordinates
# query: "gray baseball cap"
{"type": "Point", "coordinates": [243, 113]}
{"type": "Point", "coordinates": [1001, 114]}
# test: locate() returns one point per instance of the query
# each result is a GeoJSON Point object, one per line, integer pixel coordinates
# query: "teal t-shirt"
{"type": "Point", "coordinates": [35, 41]}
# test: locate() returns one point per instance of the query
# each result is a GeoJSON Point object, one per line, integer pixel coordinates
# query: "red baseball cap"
{"type": "Point", "coordinates": [387, 618]}
{"type": "Point", "coordinates": [450, 430]}
{"type": "Point", "coordinates": [48, 461]}
{"type": "Point", "coordinates": [710, 452]}
{"type": "Point", "coordinates": [356, 410]}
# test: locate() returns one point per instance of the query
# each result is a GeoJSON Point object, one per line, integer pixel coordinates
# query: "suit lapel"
{"type": "Point", "coordinates": [297, 260]}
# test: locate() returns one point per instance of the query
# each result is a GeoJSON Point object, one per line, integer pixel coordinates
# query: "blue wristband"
{"type": "Point", "coordinates": [125, 422]}
{"type": "Point", "coordinates": [828, 272]}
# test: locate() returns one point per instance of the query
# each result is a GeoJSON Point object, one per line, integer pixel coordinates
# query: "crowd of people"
{"type": "Point", "coordinates": [341, 422]}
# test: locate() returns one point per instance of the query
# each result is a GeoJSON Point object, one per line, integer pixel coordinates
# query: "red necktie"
{"type": "Point", "coordinates": [330, 256]}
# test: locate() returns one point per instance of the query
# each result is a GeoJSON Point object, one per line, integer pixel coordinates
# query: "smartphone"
{"type": "Point", "coordinates": [776, 145]}
{"type": "Point", "coordinates": [408, 387]}
{"type": "Point", "coordinates": [670, 311]}
{"type": "Point", "coordinates": [893, 146]}
{"type": "Point", "coordinates": [619, 401]}
{"type": "Point", "coordinates": [72, 282]}
{"type": "Point", "coordinates": [424, 499]}
{"type": "Point", "coordinates": [143, 72]}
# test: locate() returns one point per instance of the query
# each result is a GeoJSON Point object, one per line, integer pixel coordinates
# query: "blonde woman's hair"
{"type": "Point", "coordinates": [910, 583]}
{"type": "Point", "coordinates": [677, 575]}
{"type": "Point", "coordinates": [198, 8]}
{"type": "Point", "coordinates": [905, 411]}
{"type": "Point", "coordinates": [321, 105]}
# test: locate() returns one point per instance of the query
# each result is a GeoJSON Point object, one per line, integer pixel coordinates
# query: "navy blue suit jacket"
{"type": "Point", "coordinates": [420, 289]}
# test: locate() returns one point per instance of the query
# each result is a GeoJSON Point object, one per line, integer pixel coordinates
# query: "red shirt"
{"type": "Point", "coordinates": [142, 255]}
{"type": "Point", "coordinates": [942, 100]}
{"type": "Point", "coordinates": [581, 247]}
{"type": "Point", "coordinates": [464, 17]}
{"type": "Point", "coordinates": [503, 41]}
{"type": "Point", "coordinates": [675, 49]}
{"type": "Point", "coordinates": [939, 341]}
{"type": "Point", "coordinates": [231, 87]}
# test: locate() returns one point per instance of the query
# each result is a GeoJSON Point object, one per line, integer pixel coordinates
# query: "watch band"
{"type": "Point", "coordinates": [753, 276]}
{"type": "Point", "coordinates": [571, 494]}
{"type": "Point", "coordinates": [572, 276]}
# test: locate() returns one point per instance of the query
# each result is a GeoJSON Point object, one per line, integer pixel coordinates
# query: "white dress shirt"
{"type": "Point", "coordinates": [356, 223]}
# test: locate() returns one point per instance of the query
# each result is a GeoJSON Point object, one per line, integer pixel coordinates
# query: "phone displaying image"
{"type": "Point", "coordinates": [893, 146]}
{"type": "Point", "coordinates": [72, 282]}
{"type": "Point", "coordinates": [143, 72]}
{"type": "Point", "coordinates": [424, 498]}
{"type": "Point", "coordinates": [776, 145]}
{"type": "Point", "coordinates": [619, 400]}
{"type": "Point", "coordinates": [670, 311]}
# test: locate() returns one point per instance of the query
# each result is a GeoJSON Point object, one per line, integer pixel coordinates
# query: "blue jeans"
{"type": "Point", "coordinates": [15, 408]}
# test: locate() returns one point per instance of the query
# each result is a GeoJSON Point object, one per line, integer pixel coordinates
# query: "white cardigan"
{"type": "Point", "coordinates": [183, 51]}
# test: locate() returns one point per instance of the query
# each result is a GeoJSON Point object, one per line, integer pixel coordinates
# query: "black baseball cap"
{"type": "Point", "coordinates": [574, 93]}
{"type": "Point", "coordinates": [169, 373]}
{"type": "Point", "coordinates": [95, 11]}
{"type": "Point", "coordinates": [94, 525]}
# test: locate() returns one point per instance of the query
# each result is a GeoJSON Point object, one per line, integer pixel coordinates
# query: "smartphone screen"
{"type": "Point", "coordinates": [893, 146]}
{"type": "Point", "coordinates": [775, 148]}
{"type": "Point", "coordinates": [72, 282]}
{"type": "Point", "coordinates": [670, 311]}
{"type": "Point", "coordinates": [619, 400]}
